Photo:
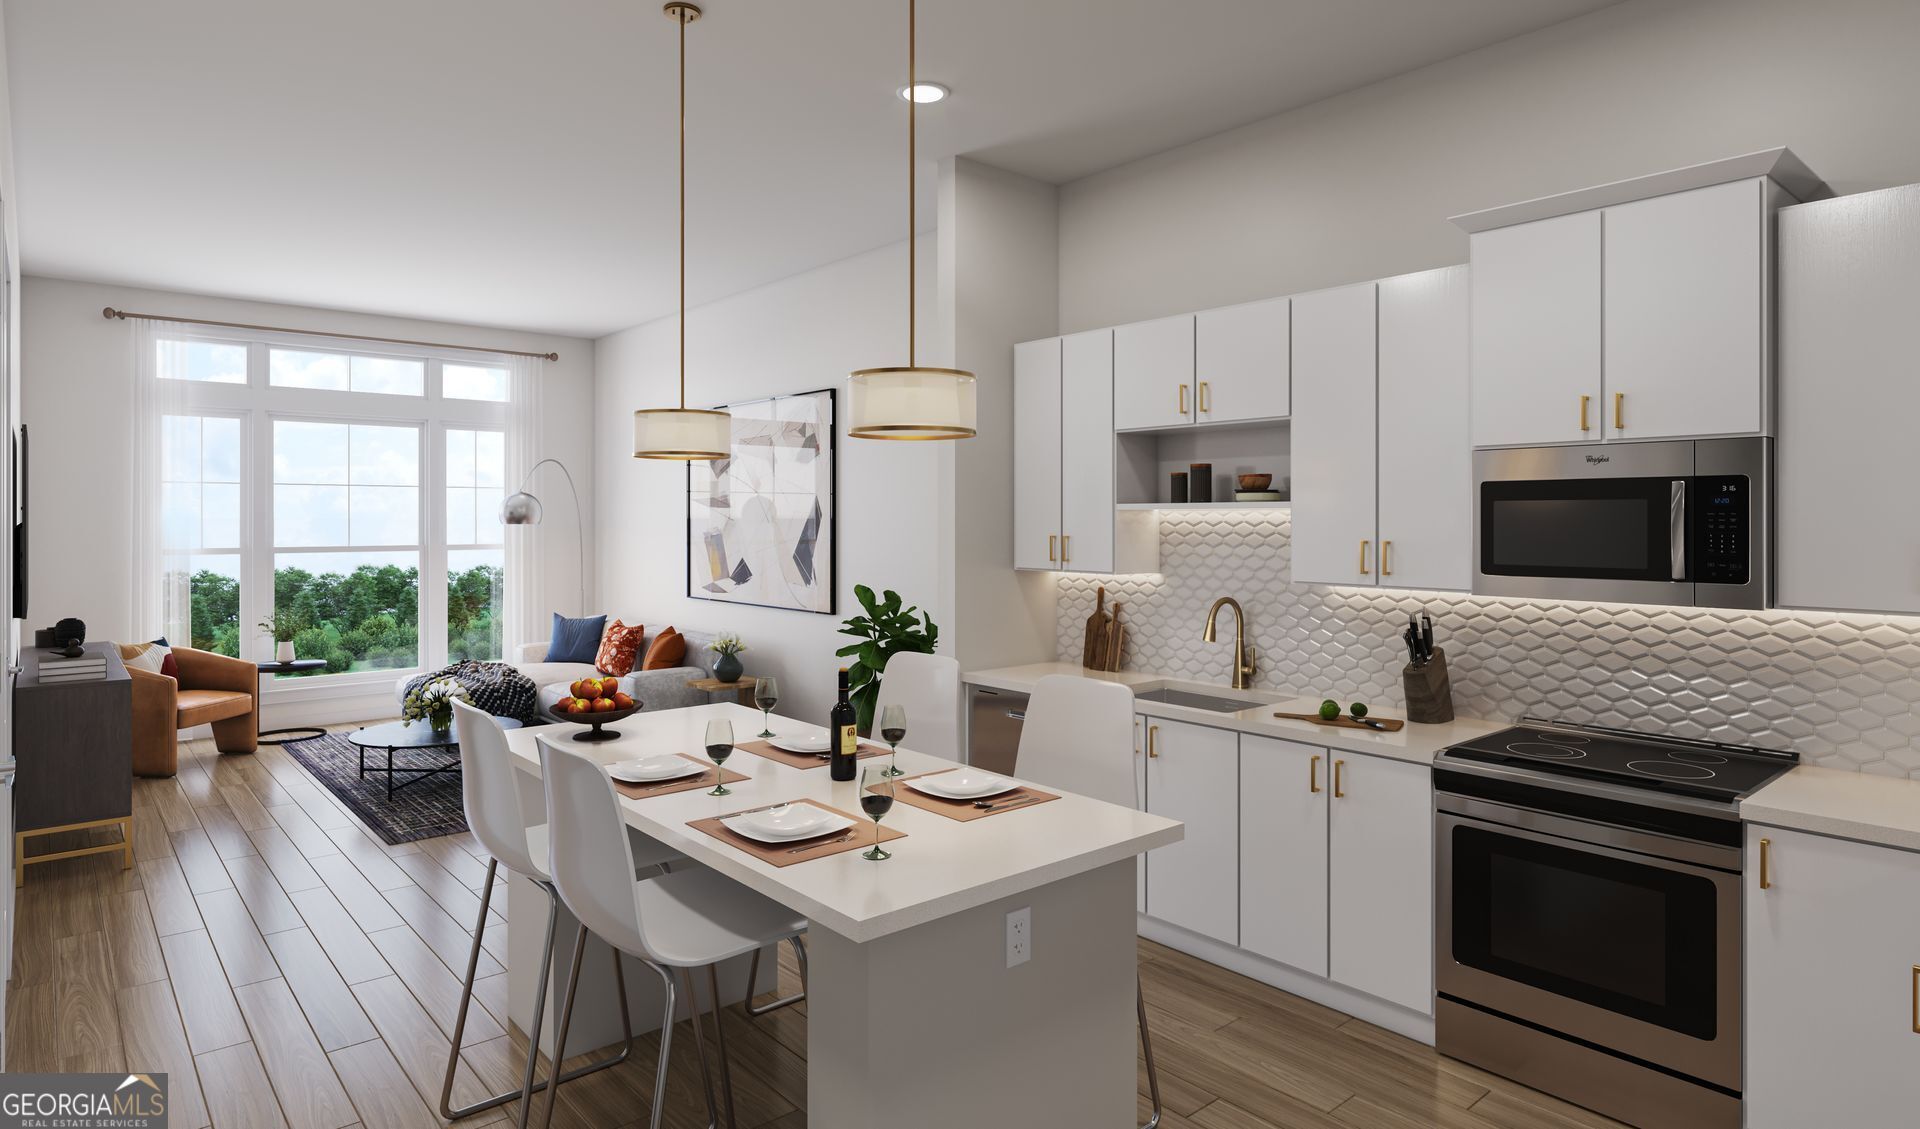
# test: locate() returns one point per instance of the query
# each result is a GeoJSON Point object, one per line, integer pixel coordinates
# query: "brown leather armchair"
{"type": "Point", "coordinates": [212, 688]}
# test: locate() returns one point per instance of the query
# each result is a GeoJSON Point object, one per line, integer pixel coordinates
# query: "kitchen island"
{"type": "Point", "coordinates": [913, 1015]}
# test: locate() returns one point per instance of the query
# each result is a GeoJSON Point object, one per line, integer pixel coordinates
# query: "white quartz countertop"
{"type": "Point", "coordinates": [1416, 743]}
{"type": "Point", "coordinates": [1851, 805]}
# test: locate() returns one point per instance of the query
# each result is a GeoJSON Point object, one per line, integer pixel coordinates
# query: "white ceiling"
{"type": "Point", "coordinates": [510, 162]}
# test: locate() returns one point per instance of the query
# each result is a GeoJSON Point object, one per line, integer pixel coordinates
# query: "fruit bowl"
{"type": "Point", "coordinates": [596, 719]}
{"type": "Point", "coordinates": [1255, 482]}
{"type": "Point", "coordinates": [594, 702]}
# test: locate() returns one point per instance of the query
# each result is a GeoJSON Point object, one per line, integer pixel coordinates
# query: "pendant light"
{"type": "Point", "coordinates": [913, 401]}
{"type": "Point", "coordinates": [682, 433]}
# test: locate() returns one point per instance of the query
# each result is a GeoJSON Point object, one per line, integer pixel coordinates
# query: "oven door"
{"type": "Point", "coordinates": [1585, 931]}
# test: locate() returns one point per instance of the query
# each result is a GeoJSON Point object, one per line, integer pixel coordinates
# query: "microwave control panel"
{"type": "Point", "coordinates": [1721, 530]}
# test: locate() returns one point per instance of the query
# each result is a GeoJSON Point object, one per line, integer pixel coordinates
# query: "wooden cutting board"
{"type": "Point", "coordinates": [1093, 653]}
{"type": "Point", "coordinates": [1388, 724]}
{"type": "Point", "coordinates": [1116, 641]}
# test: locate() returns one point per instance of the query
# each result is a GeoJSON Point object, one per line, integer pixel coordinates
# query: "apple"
{"type": "Point", "coordinates": [603, 705]}
{"type": "Point", "coordinates": [564, 704]}
{"type": "Point", "coordinates": [623, 700]}
{"type": "Point", "coordinates": [580, 705]}
{"type": "Point", "coordinates": [589, 689]}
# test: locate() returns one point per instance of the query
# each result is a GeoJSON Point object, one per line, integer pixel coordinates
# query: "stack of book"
{"type": "Point", "coordinates": [90, 667]}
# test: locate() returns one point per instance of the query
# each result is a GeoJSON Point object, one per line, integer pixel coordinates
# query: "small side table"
{"type": "Point", "coordinates": [292, 733]}
{"type": "Point", "coordinates": [742, 688]}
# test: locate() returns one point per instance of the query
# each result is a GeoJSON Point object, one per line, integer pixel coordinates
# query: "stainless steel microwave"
{"type": "Point", "coordinates": [1683, 522]}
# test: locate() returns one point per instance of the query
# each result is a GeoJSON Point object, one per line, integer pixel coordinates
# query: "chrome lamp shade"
{"type": "Point", "coordinates": [520, 509]}
{"type": "Point", "coordinates": [682, 433]}
{"type": "Point", "coordinates": [916, 402]}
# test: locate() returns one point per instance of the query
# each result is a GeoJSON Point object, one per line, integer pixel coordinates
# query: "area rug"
{"type": "Point", "coordinates": [421, 810]}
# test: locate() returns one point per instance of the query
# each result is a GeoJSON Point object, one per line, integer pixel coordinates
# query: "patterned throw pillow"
{"type": "Point", "coordinates": [154, 657]}
{"type": "Point", "coordinates": [669, 648]}
{"type": "Point", "coordinates": [619, 647]}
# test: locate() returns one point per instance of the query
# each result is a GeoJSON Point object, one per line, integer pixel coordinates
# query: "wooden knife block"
{"type": "Point", "coordinates": [1429, 691]}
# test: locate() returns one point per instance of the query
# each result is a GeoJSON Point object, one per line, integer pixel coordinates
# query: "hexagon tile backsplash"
{"type": "Point", "coordinates": [1842, 690]}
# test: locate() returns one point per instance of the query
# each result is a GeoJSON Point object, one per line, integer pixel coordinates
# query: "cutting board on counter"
{"type": "Point", "coordinates": [1387, 724]}
{"type": "Point", "coordinates": [1106, 636]}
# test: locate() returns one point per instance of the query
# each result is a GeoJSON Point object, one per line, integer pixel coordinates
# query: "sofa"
{"type": "Point", "coordinates": [654, 689]}
{"type": "Point", "coordinates": [212, 689]}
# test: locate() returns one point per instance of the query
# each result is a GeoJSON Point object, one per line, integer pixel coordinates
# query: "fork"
{"type": "Point", "coordinates": [984, 805]}
{"type": "Point", "coordinates": [817, 846]}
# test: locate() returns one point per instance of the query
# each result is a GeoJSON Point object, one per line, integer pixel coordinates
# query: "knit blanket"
{"type": "Point", "coordinates": [497, 688]}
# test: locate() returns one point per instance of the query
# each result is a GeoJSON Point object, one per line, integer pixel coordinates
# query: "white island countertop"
{"type": "Point", "coordinates": [1850, 805]}
{"type": "Point", "coordinates": [1416, 743]}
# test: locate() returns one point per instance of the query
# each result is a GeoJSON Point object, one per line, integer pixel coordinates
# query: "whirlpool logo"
{"type": "Point", "coordinates": [1596, 460]}
{"type": "Point", "coordinates": [83, 1101]}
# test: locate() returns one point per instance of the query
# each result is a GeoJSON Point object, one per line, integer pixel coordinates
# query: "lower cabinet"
{"type": "Point", "coordinates": [1833, 982]}
{"type": "Point", "coordinates": [1284, 787]}
{"type": "Point", "coordinates": [1380, 879]}
{"type": "Point", "coordinates": [1193, 775]}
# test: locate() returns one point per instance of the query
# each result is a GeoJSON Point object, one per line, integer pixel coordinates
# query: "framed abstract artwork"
{"type": "Point", "coordinates": [760, 524]}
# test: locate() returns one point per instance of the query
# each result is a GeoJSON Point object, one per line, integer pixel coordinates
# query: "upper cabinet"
{"type": "Point", "coordinates": [1536, 332]}
{"type": "Point", "coordinates": [1241, 366]}
{"type": "Point", "coordinates": [1334, 472]}
{"type": "Point", "coordinates": [1086, 452]}
{"type": "Point", "coordinates": [1036, 454]}
{"type": "Point", "coordinates": [1153, 373]}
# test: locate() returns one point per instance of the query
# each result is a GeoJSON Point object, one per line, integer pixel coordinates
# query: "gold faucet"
{"type": "Point", "coordinates": [1242, 650]}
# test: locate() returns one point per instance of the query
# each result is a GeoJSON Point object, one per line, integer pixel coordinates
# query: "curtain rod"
{"type": "Point", "coordinates": [110, 312]}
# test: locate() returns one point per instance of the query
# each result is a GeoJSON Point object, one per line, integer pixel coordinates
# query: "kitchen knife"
{"type": "Point", "coordinates": [1426, 636]}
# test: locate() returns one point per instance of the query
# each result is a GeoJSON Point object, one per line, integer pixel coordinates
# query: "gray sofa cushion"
{"type": "Point", "coordinates": [656, 689]}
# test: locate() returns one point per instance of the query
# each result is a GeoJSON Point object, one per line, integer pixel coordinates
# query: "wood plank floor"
{"type": "Point", "coordinates": [286, 967]}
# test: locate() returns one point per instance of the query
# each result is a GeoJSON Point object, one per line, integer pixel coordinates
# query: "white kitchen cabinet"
{"type": "Point", "coordinates": [1153, 373]}
{"type": "Point", "coordinates": [1242, 370]}
{"type": "Point", "coordinates": [1832, 983]}
{"type": "Point", "coordinates": [1380, 879]}
{"type": "Point", "coordinates": [1536, 332]}
{"type": "Point", "coordinates": [1193, 775]}
{"type": "Point", "coordinates": [1036, 454]}
{"type": "Point", "coordinates": [1686, 291]}
{"type": "Point", "coordinates": [1426, 456]}
{"type": "Point", "coordinates": [1334, 468]}
{"type": "Point", "coordinates": [1140, 801]}
{"type": "Point", "coordinates": [1086, 452]}
{"type": "Point", "coordinates": [1284, 787]}
{"type": "Point", "coordinates": [1849, 537]}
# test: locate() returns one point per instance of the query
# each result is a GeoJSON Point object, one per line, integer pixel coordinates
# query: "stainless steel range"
{"type": "Point", "coordinates": [1589, 916]}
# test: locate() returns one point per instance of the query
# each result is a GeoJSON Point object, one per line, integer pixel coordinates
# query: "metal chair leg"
{"type": "Point", "coordinates": [753, 978]}
{"type": "Point", "coordinates": [1146, 1045]}
{"type": "Point", "coordinates": [466, 1000]}
{"type": "Point", "coordinates": [720, 1040]}
{"type": "Point", "coordinates": [666, 1044]}
{"type": "Point", "coordinates": [566, 1020]}
{"type": "Point", "coordinates": [700, 1047]}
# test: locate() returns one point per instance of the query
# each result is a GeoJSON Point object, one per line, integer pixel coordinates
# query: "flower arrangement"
{"type": "Point", "coordinates": [726, 643]}
{"type": "Point", "coordinates": [728, 646]}
{"type": "Point", "coordinates": [433, 704]}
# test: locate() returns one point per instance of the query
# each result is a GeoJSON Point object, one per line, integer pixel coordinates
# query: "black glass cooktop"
{"type": "Point", "coordinates": [1719, 772]}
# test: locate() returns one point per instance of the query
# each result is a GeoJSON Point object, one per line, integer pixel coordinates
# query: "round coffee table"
{"type": "Point", "coordinates": [291, 733]}
{"type": "Point", "coordinates": [396, 735]}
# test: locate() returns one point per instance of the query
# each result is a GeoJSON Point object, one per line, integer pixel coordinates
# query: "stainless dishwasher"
{"type": "Point", "coordinates": [994, 719]}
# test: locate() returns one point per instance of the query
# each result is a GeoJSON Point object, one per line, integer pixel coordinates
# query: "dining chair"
{"type": "Point", "coordinates": [490, 794]}
{"type": "Point", "coordinates": [1079, 736]}
{"type": "Point", "coordinates": [678, 921]}
{"type": "Point", "coordinates": [929, 687]}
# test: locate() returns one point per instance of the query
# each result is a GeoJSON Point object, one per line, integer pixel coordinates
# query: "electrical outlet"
{"type": "Point", "coordinates": [1019, 936]}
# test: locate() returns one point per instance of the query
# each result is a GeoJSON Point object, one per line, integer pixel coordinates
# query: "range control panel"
{"type": "Point", "coordinates": [1720, 549]}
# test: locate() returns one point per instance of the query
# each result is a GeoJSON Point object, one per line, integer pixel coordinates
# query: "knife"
{"type": "Point", "coordinates": [1426, 637]}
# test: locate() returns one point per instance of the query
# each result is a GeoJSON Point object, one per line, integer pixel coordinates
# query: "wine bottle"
{"type": "Point", "coordinates": [842, 732]}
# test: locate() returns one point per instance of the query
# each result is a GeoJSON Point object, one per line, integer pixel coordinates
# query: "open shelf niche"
{"type": "Point", "coordinates": [1146, 461]}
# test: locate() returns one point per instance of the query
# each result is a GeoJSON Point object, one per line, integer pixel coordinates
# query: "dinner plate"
{"type": "Point", "coordinates": [786, 824]}
{"type": "Point", "coordinates": [810, 743]}
{"type": "Point", "coordinates": [652, 770]}
{"type": "Point", "coordinates": [962, 784]}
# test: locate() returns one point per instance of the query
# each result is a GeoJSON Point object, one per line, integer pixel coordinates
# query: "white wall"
{"type": "Point", "coordinates": [76, 384]}
{"type": "Point", "coordinates": [798, 335]}
{"type": "Point", "coordinates": [1359, 186]}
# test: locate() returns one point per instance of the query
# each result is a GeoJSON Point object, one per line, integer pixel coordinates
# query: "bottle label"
{"type": "Point", "coordinates": [849, 741]}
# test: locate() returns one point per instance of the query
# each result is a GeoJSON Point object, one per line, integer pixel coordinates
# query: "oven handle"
{"type": "Point", "coordinates": [1666, 851]}
{"type": "Point", "coordinates": [1677, 528]}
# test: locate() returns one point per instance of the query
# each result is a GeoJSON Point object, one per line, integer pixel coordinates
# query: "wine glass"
{"type": "Point", "coordinates": [876, 799]}
{"type": "Point", "coordinates": [766, 695]}
{"type": "Point", "coordinates": [719, 748]}
{"type": "Point", "coordinates": [893, 727]}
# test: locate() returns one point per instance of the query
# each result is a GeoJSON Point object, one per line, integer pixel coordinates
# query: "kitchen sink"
{"type": "Point", "coordinates": [1195, 701]}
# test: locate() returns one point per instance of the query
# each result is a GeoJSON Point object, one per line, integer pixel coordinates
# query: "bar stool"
{"type": "Point", "coordinates": [1079, 735]}
{"type": "Point", "coordinates": [681, 920]}
{"type": "Point", "coordinates": [491, 797]}
{"type": "Point", "coordinates": [929, 687]}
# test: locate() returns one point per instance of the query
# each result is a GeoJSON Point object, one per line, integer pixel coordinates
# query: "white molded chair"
{"type": "Point", "coordinates": [1079, 736]}
{"type": "Point", "coordinates": [491, 795]}
{"type": "Point", "coordinates": [929, 687]}
{"type": "Point", "coordinates": [681, 920]}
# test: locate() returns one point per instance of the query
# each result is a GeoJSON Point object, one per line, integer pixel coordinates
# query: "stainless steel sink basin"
{"type": "Point", "coordinates": [1197, 701]}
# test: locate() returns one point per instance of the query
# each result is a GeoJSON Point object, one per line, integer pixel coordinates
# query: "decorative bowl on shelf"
{"type": "Point", "coordinates": [1254, 482]}
{"type": "Point", "coordinates": [594, 718]}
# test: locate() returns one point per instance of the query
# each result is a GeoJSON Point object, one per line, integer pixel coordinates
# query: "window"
{"type": "Point", "coordinates": [209, 361]}
{"type": "Point", "coordinates": [476, 542]}
{"type": "Point", "coordinates": [200, 488]}
{"type": "Point", "coordinates": [337, 372]}
{"type": "Point", "coordinates": [473, 382]}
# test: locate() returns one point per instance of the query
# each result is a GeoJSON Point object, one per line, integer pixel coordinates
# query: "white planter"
{"type": "Point", "coordinates": [283, 652]}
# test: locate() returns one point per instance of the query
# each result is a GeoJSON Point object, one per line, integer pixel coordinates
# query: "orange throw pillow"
{"type": "Point", "coordinates": [619, 647]}
{"type": "Point", "coordinates": [668, 651]}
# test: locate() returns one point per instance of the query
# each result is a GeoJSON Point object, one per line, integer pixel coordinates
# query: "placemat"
{"type": "Point", "coordinates": [856, 838]}
{"type": "Point", "coordinates": [804, 760]}
{"type": "Point", "coordinates": [679, 784]}
{"type": "Point", "coordinates": [963, 810]}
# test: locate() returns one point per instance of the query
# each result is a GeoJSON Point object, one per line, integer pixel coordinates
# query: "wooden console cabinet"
{"type": "Point", "coordinates": [73, 743]}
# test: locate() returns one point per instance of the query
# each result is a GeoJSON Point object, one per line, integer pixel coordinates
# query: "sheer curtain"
{"type": "Point", "coordinates": [526, 601]}
{"type": "Point", "coordinates": [160, 565]}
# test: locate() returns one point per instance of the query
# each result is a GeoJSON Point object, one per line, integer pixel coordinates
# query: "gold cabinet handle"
{"type": "Point", "coordinates": [1053, 541]}
{"type": "Point", "coordinates": [1386, 558]}
{"type": "Point", "coordinates": [1205, 401]}
{"type": "Point", "coordinates": [1065, 538]}
{"type": "Point", "coordinates": [1337, 793]}
{"type": "Point", "coordinates": [1766, 859]}
{"type": "Point", "coordinates": [1583, 413]}
{"type": "Point", "coordinates": [1363, 557]}
{"type": "Point", "coordinates": [1313, 774]}
{"type": "Point", "coordinates": [1916, 999]}
{"type": "Point", "coordinates": [1153, 740]}
{"type": "Point", "coordinates": [1183, 399]}
{"type": "Point", "coordinates": [1619, 411]}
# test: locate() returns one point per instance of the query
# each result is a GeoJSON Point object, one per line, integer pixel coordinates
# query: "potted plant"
{"type": "Point", "coordinates": [728, 646]}
{"type": "Point", "coordinates": [433, 704]}
{"type": "Point", "coordinates": [885, 631]}
{"type": "Point", "coordinates": [283, 625]}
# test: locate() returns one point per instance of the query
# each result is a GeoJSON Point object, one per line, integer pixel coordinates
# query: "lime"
{"type": "Point", "coordinates": [1358, 709]}
{"type": "Point", "coordinates": [1329, 709]}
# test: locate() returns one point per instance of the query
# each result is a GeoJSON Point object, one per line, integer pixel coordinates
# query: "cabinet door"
{"type": "Point", "coordinates": [1241, 368]}
{"type": "Point", "coordinates": [1536, 332]}
{"type": "Point", "coordinates": [1831, 998]}
{"type": "Point", "coordinates": [1684, 304]}
{"type": "Point", "coordinates": [1283, 851]}
{"type": "Point", "coordinates": [1086, 452]}
{"type": "Point", "coordinates": [1426, 455]}
{"type": "Point", "coordinates": [1334, 344]}
{"type": "Point", "coordinates": [1380, 879]}
{"type": "Point", "coordinates": [1153, 373]}
{"type": "Point", "coordinates": [1140, 798]}
{"type": "Point", "coordinates": [1036, 454]}
{"type": "Point", "coordinates": [1849, 288]}
{"type": "Point", "coordinates": [1193, 775]}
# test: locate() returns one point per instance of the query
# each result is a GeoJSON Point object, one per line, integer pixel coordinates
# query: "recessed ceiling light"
{"type": "Point", "coordinates": [925, 92]}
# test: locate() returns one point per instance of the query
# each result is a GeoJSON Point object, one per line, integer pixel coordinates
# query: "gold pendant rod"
{"type": "Point", "coordinates": [681, 19]}
{"type": "Point", "coordinates": [913, 233]}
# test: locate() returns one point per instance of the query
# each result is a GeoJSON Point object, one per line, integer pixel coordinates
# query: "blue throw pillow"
{"type": "Point", "coordinates": [575, 640]}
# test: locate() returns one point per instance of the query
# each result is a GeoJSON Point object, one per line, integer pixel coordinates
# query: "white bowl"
{"type": "Point", "coordinates": [786, 823]}
{"type": "Point", "coordinates": [808, 743]}
{"type": "Point", "coordinates": [652, 770]}
{"type": "Point", "coordinates": [962, 784]}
